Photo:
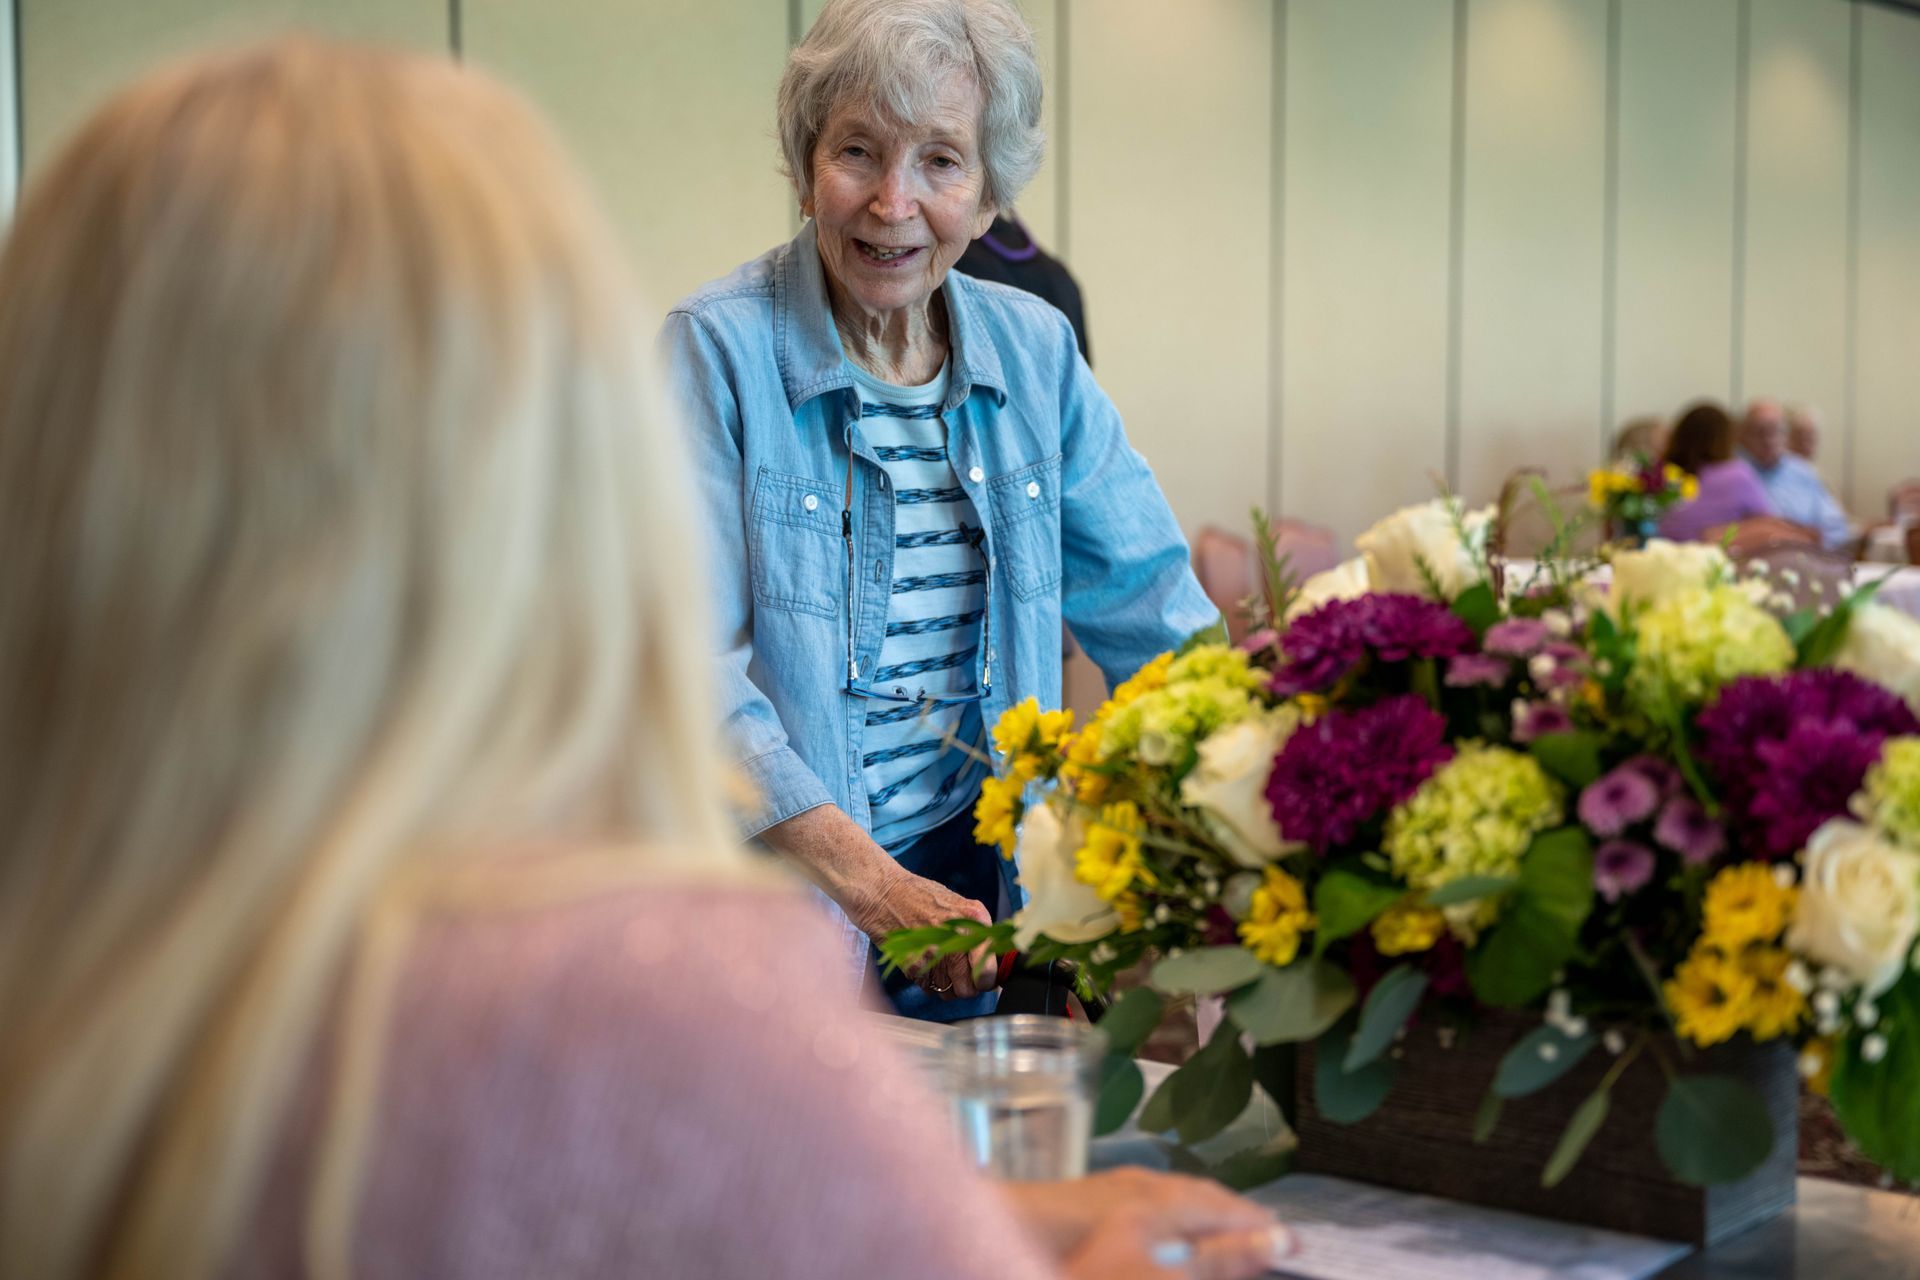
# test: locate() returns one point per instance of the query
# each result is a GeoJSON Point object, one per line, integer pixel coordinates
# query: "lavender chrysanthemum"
{"type": "Point", "coordinates": [1620, 867]}
{"type": "Point", "coordinates": [1788, 752]}
{"type": "Point", "coordinates": [1349, 767]}
{"type": "Point", "coordinates": [1687, 829]}
{"type": "Point", "coordinates": [1322, 647]}
{"type": "Point", "coordinates": [1617, 800]}
{"type": "Point", "coordinates": [1536, 719]}
{"type": "Point", "coordinates": [1517, 637]}
{"type": "Point", "coordinates": [1471, 669]}
{"type": "Point", "coordinates": [1665, 778]}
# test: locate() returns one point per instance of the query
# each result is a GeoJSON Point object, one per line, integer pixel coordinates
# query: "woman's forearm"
{"type": "Point", "coordinates": [832, 850]}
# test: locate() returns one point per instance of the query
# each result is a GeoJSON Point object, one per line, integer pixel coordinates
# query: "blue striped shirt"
{"type": "Point", "coordinates": [931, 650]}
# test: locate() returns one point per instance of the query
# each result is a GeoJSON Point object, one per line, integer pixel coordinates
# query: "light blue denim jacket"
{"type": "Point", "coordinates": [1076, 527]}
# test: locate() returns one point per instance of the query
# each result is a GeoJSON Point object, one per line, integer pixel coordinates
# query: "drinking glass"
{"type": "Point", "coordinates": [1022, 1090]}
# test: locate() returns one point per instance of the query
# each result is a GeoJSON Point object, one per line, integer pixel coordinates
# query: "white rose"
{"type": "Point", "coordinates": [1883, 645]}
{"type": "Point", "coordinates": [1343, 582]}
{"type": "Point", "coordinates": [1859, 908]}
{"type": "Point", "coordinates": [1661, 569]}
{"type": "Point", "coordinates": [1058, 903]}
{"type": "Point", "coordinates": [1397, 547]}
{"type": "Point", "coordinates": [1229, 786]}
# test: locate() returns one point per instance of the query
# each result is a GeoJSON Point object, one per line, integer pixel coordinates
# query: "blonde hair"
{"type": "Point", "coordinates": [341, 542]}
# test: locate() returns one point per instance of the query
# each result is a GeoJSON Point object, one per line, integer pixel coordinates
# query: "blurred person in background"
{"type": "Point", "coordinates": [1701, 444]}
{"type": "Point", "coordinates": [1640, 440]}
{"type": "Point", "coordinates": [367, 904]}
{"type": "Point", "coordinates": [910, 477]}
{"type": "Point", "coordinates": [1803, 432]}
{"type": "Point", "coordinates": [1794, 488]}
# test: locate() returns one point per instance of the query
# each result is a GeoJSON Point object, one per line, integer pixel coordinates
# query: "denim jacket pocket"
{"type": "Point", "coordinates": [1026, 527]}
{"type": "Point", "coordinates": [798, 557]}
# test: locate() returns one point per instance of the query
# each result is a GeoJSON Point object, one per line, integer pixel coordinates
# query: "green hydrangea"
{"type": "Point", "coordinates": [1161, 726]}
{"type": "Point", "coordinates": [1693, 642]}
{"type": "Point", "coordinates": [1891, 795]}
{"type": "Point", "coordinates": [1216, 662]}
{"type": "Point", "coordinates": [1474, 817]}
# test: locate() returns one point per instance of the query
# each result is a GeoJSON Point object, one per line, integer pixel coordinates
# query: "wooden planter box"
{"type": "Point", "coordinates": [1421, 1139]}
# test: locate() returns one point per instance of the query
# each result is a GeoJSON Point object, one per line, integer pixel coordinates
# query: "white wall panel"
{"type": "Point", "coordinates": [1369, 94]}
{"type": "Point", "coordinates": [1795, 293]}
{"type": "Point", "coordinates": [1168, 231]}
{"type": "Point", "coordinates": [1673, 317]}
{"type": "Point", "coordinates": [1531, 265]}
{"type": "Point", "coordinates": [9, 115]}
{"type": "Point", "coordinates": [669, 105]}
{"type": "Point", "coordinates": [1886, 443]}
{"type": "Point", "coordinates": [76, 52]}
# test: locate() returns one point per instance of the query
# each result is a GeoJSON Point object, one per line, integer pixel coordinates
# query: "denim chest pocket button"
{"type": "Point", "coordinates": [1025, 507]}
{"type": "Point", "coordinates": [797, 555]}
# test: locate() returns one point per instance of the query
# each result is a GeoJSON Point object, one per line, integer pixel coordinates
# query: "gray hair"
{"type": "Point", "coordinates": [893, 54]}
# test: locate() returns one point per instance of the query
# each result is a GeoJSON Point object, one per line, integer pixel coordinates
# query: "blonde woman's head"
{"type": "Point", "coordinates": [339, 535]}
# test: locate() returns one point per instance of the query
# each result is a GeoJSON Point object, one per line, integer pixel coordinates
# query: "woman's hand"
{"type": "Point", "coordinates": [879, 895]}
{"type": "Point", "coordinates": [1132, 1223]}
{"type": "Point", "coordinates": [903, 900]}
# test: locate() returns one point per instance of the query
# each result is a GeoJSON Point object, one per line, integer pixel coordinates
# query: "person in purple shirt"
{"type": "Point", "coordinates": [1702, 445]}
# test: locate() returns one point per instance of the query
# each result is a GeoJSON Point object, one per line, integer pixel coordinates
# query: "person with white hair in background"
{"type": "Point", "coordinates": [1795, 489]}
{"type": "Point", "coordinates": [910, 478]}
{"type": "Point", "coordinates": [367, 904]}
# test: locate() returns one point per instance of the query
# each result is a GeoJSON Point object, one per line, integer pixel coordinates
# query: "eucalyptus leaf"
{"type": "Point", "coordinates": [1121, 1085]}
{"type": "Point", "coordinates": [1131, 1019]}
{"type": "Point", "coordinates": [1347, 1097]}
{"type": "Point", "coordinates": [1157, 1115]}
{"type": "Point", "coordinates": [1572, 757]}
{"type": "Point", "coordinates": [1469, 889]}
{"type": "Point", "coordinates": [1712, 1129]}
{"type": "Point", "coordinates": [1212, 1088]}
{"type": "Point", "coordinates": [1389, 1005]}
{"type": "Point", "coordinates": [1542, 1056]}
{"type": "Point", "coordinates": [1514, 965]}
{"type": "Point", "coordinates": [1579, 1132]}
{"type": "Point", "coordinates": [1879, 1102]}
{"type": "Point", "coordinates": [1293, 1004]}
{"type": "Point", "coordinates": [1344, 903]}
{"type": "Point", "coordinates": [1477, 608]}
{"type": "Point", "coordinates": [1487, 1118]}
{"type": "Point", "coordinates": [1207, 971]}
{"type": "Point", "coordinates": [1255, 1166]}
{"type": "Point", "coordinates": [1556, 876]}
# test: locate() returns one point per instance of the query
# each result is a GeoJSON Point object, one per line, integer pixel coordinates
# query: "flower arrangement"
{"type": "Point", "coordinates": [1657, 816]}
{"type": "Point", "coordinates": [1635, 495]}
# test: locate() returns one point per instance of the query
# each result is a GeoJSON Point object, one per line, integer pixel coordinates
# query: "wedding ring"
{"type": "Point", "coordinates": [940, 991]}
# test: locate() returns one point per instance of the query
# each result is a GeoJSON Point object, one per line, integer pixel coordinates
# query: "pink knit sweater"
{"type": "Point", "coordinates": [661, 1082]}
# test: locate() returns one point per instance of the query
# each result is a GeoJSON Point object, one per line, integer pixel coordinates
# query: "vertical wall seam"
{"type": "Point", "coordinates": [17, 110]}
{"type": "Point", "coordinates": [1456, 241]}
{"type": "Point", "coordinates": [794, 27]}
{"type": "Point", "coordinates": [1850, 404]}
{"type": "Point", "coordinates": [456, 35]}
{"type": "Point", "coordinates": [1610, 237]}
{"type": "Point", "coordinates": [1742, 53]}
{"type": "Point", "coordinates": [1276, 263]}
{"type": "Point", "coordinates": [1063, 128]}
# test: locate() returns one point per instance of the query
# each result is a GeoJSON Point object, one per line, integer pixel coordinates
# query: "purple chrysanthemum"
{"type": "Point", "coordinates": [1789, 751]}
{"type": "Point", "coordinates": [1517, 637]}
{"type": "Point", "coordinates": [1323, 646]}
{"type": "Point", "coordinates": [1617, 800]}
{"type": "Point", "coordinates": [1687, 829]}
{"type": "Point", "coordinates": [1665, 778]}
{"type": "Point", "coordinates": [1620, 867]}
{"type": "Point", "coordinates": [1560, 665]}
{"type": "Point", "coordinates": [1348, 767]}
{"type": "Point", "coordinates": [1470, 669]}
{"type": "Point", "coordinates": [1536, 719]}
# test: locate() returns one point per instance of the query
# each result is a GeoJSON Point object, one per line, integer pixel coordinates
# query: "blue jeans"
{"type": "Point", "coordinates": [949, 855]}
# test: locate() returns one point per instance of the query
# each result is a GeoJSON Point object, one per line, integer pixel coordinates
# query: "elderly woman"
{"type": "Point", "coordinates": [911, 476]}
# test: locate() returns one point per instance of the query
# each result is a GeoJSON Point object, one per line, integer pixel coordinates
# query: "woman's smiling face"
{"type": "Point", "coordinates": [896, 205]}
